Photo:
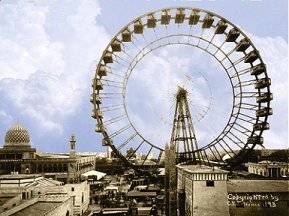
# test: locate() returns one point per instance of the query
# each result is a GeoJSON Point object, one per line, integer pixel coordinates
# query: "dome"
{"type": "Point", "coordinates": [17, 135]}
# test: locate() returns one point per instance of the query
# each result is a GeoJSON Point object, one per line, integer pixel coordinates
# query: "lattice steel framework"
{"type": "Point", "coordinates": [183, 138]}
{"type": "Point", "coordinates": [195, 28]}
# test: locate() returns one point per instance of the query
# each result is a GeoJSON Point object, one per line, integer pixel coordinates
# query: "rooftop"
{"type": "Point", "coordinates": [141, 194]}
{"type": "Point", "coordinates": [19, 176]}
{"type": "Point", "coordinates": [38, 208]}
{"type": "Point", "coordinates": [201, 169]}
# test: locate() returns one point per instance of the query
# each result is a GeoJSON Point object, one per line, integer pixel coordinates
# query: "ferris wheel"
{"type": "Point", "coordinates": [218, 65]}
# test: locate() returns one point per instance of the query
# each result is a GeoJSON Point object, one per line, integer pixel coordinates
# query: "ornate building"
{"type": "Point", "coordinates": [17, 156]}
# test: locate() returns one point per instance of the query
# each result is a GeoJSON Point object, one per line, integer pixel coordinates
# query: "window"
{"type": "Point", "coordinates": [72, 189]}
{"type": "Point", "coordinates": [210, 183]}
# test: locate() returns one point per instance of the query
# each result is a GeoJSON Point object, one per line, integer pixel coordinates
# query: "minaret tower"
{"type": "Point", "coordinates": [72, 166]}
{"type": "Point", "coordinates": [72, 147]}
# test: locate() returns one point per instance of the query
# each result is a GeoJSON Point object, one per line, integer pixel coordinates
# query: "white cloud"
{"type": "Point", "coordinates": [153, 85]}
{"type": "Point", "coordinates": [161, 72]}
{"type": "Point", "coordinates": [46, 57]}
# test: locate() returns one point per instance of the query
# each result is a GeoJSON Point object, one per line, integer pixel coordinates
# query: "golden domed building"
{"type": "Point", "coordinates": [17, 156]}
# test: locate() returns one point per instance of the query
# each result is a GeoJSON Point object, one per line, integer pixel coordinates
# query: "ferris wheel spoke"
{"type": "Point", "coordinates": [247, 106]}
{"type": "Point", "coordinates": [235, 63]}
{"type": "Point", "coordinates": [202, 32]}
{"type": "Point", "coordinates": [112, 107]}
{"type": "Point", "coordinates": [241, 72]}
{"type": "Point", "coordinates": [219, 49]}
{"type": "Point", "coordinates": [147, 155]}
{"type": "Point", "coordinates": [127, 141]}
{"type": "Point", "coordinates": [214, 155]}
{"type": "Point", "coordinates": [205, 156]}
{"type": "Point", "coordinates": [167, 34]}
{"type": "Point", "coordinates": [246, 94]}
{"type": "Point", "coordinates": [115, 119]}
{"type": "Point", "coordinates": [241, 129]}
{"type": "Point", "coordinates": [238, 140]}
{"type": "Point", "coordinates": [128, 55]}
{"type": "Point", "coordinates": [233, 141]}
{"type": "Point", "coordinates": [118, 59]}
{"type": "Point", "coordinates": [115, 74]}
{"type": "Point", "coordinates": [245, 83]}
{"type": "Point", "coordinates": [202, 157]}
{"type": "Point", "coordinates": [249, 118]}
{"type": "Point", "coordinates": [225, 150]}
{"type": "Point", "coordinates": [216, 150]}
{"type": "Point", "coordinates": [110, 95]}
{"type": "Point", "coordinates": [136, 150]}
{"type": "Point", "coordinates": [228, 146]}
{"type": "Point", "coordinates": [121, 130]}
{"type": "Point", "coordinates": [112, 85]}
{"type": "Point", "coordinates": [160, 156]}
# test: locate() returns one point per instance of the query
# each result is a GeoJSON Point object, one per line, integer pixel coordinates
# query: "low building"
{"type": "Point", "coordinates": [16, 189]}
{"type": "Point", "coordinates": [48, 205]}
{"type": "Point", "coordinates": [17, 156]}
{"type": "Point", "coordinates": [208, 191]}
{"type": "Point", "coordinates": [271, 169]}
{"type": "Point", "coordinates": [31, 191]}
{"type": "Point", "coordinates": [202, 190]}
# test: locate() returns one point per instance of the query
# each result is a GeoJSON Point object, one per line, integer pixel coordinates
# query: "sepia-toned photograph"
{"type": "Point", "coordinates": [144, 107]}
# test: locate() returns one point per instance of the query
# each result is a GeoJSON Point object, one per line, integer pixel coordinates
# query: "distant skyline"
{"type": "Point", "coordinates": [49, 49]}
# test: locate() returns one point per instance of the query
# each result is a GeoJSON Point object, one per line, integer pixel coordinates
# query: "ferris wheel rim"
{"type": "Point", "coordinates": [221, 18]}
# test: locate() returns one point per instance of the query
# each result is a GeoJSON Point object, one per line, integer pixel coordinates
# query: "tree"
{"type": "Point", "coordinates": [130, 153]}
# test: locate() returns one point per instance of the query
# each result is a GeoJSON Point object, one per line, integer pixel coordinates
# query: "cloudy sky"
{"type": "Point", "coordinates": [49, 49]}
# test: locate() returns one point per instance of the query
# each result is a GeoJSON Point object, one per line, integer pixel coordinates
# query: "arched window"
{"type": "Point", "coordinates": [50, 168]}
{"type": "Point", "coordinates": [39, 169]}
{"type": "Point", "coordinates": [54, 167]}
{"type": "Point", "coordinates": [65, 169]}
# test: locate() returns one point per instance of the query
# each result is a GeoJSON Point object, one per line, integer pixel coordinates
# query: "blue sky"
{"type": "Point", "coordinates": [49, 49]}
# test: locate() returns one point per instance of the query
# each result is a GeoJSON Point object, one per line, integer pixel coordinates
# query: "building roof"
{"type": "Point", "coordinates": [111, 187]}
{"type": "Point", "coordinates": [141, 194]}
{"type": "Point", "coordinates": [20, 176]}
{"type": "Point", "coordinates": [258, 186]}
{"type": "Point", "coordinates": [98, 174]}
{"type": "Point", "coordinates": [43, 205]}
{"type": "Point", "coordinates": [51, 155]}
{"type": "Point", "coordinates": [38, 208]}
{"type": "Point", "coordinates": [17, 135]}
{"type": "Point", "coordinates": [27, 180]}
{"type": "Point", "coordinates": [201, 169]}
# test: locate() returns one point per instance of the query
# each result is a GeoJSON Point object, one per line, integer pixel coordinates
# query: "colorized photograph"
{"type": "Point", "coordinates": [148, 107]}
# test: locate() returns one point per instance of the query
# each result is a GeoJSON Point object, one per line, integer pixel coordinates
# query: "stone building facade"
{"type": "Point", "coordinates": [17, 156]}
{"type": "Point", "coordinates": [202, 191]}
{"type": "Point", "coordinates": [269, 169]}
